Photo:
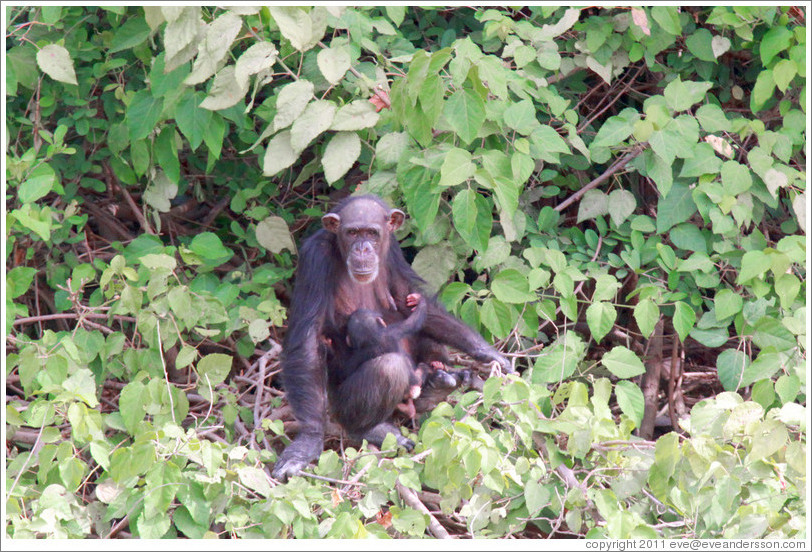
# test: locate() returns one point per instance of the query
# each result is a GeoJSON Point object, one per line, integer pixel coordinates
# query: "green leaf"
{"type": "Point", "coordinates": [54, 60]}
{"type": "Point", "coordinates": [730, 365]}
{"type": "Point", "coordinates": [340, 155]}
{"type": "Point", "coordinates": [787, 388]}
{"type": "Point", "coordinates": [668, 18]}
{"type": "Point", "coordinates": [279, 154]}
{"type": "Point", "coordinates": [684, 319]}
{"type": "Point", "coordinates": [465, 112]}
{"type": "Point", "coordinates": [258, 57]}
{"type": "Point", "coordinates": [736, 178]}
{"type": "Point", "coordinates": [623, 363]}
{"type": "Point", "coordinates": [510, 286]}
{"type": "Point", "coordinates": [132, 406]}
{"type": "Point", "coordinates": [457, 167]}
{"type": "Point", "coordinates": [606, 287]}
{"type": "Point", "coordinates": [207, 245]}
{"type": "Point", "coordinates": [767, 363]}
{"type": "Point", "coordinates": [775, 40]}
{"type": "Point", "coordinates": [356, 115]}
{"type": "Point", "coordinates": [622, 203]}
{"type": "Point", "coordinates": [38, 184]}
{"type": "Point", "coordinates": [497, 317]}
{"type": "Point", "coordinates": [464, 211]}
{"type": "Point", "coordinates": [727, 303]}
{"type": "Point", "coordinates": [646, 314]}
{"type": "Point", "coordinates": [600, 317]}
{"type": "Point", "coordinates": [687, 236]}
{"type": "Point", "coordinates": [787, 287]}
{"type": "Point", "coordinates": [18, 280]}
{"type": "Point", "coordinates": [713, 118]}
{"type": "Point", "coordinates": [296, 25]}
{"type": "Point", "coordinates": [166, 153]}
{"type": "Point", "coordinates": [192, 119]}
{"type": "Point", "coordinates": [549, 143]}
{"type": "Point", "coordinates": [770, 332]}
{"type": "Point", "coordinates": [536, 497]}
{"type": "Point", "coordinates": [316, 118]}
{"type": "Point", "coordinates": [274, 235]}
{"type": "Point", "coordinates": [558, 361]}
{"type": "Point", "coordinates": [676, 207]}
{"type": "Point", "coordinates": [255, 479]}
{"type": "Point", "coordinates": [762, 91]}
{"type": "Point", "coordinates": [700, 44]}
{"type": "Point", "coordinates": [82, 385]}
{"type": "Point", "coordinates": [783, 73]}
{"type": "Point", "coordinates": [162, 482]}
{"type": "Point", "coordinates": [630, 400]}
{"type": "Point", "coordinates": [225, 91]}
{"type": "Point", "coordinates": [614, 131]}
{"type": "Point", "coordinates": [143, 114]}
{"type": "Point", "coordinates": [697, 262]}
{"type": "Point", "coordinates": [390, 147]}
{"type": "Point", "coordinates": [213, 369]}
{"type": "Point", "coordinates": [334, 63]}
{"type": "Point", "coordinates": [703, 162]}
{"type": "Point", "coordinates": [396, 13]}
{"type": "Point", "coordinates": [291, 102]}
{"type": "Point", "coordinates": [133, 32]}
{"type": "Point", "coordinates": [754, 264]}
{"type": "Point", "coordinates": [680, 95]}
{"type": "Point", "coordinates": [521, 116]}
{"type": "Point", "coordinates": [769, 437]}
{"type": "Point", "coordinates": [593, 204]}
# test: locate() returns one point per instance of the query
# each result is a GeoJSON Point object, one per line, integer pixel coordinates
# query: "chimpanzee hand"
{"type": "Point", "coordinates": [413, 299]}
{"type": "Point", "coordinates": [297, 456]}
{"type": "Point", "coordinates": [490, 354]}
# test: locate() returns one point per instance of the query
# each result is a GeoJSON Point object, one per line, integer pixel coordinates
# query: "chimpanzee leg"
{"type": "Point", "coordinates": [377, 434]}
{"type": "Point", "coordinates": [365, 401]}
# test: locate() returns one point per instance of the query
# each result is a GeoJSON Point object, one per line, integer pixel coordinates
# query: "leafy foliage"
{"type": "Point", "coordinates": [614, 195]}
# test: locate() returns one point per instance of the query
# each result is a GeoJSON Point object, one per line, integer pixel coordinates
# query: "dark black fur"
{"type": "Point", "coordinates": [315, 344]}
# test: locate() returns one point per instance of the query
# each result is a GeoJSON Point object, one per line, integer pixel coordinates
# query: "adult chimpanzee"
{"type": "Point", "coordinates": [379, 372]}
{"type": "Point", "coordinates": [354, 263]}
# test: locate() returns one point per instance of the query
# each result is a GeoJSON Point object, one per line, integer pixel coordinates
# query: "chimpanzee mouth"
{"type": "Point", "coordinates": [364, 276]}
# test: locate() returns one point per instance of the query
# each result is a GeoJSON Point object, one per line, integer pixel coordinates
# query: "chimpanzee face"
{"type": "Point", "coordinates": [363, 229]}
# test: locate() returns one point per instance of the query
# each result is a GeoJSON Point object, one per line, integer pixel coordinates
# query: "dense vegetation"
{"type": "Point", "coordinates": [615, 197]}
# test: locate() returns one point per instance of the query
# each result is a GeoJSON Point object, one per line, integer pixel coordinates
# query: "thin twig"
{"type": "Point", "coordinates": [622, 162]}
{"type": "Point", "coordinates": [69, 315]}
{"type": "Point", "coordinates": [410, 498]}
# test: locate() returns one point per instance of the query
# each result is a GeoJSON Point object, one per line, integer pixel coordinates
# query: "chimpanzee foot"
{"type": "Point", "coordinates": [438, 385]}
{"type": "Point", "coordinates": [377, 434]}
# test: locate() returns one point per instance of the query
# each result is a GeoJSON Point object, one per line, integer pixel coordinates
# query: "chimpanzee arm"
{"type": "Point", "coordinates": [303, 378]}
{"type": "Point", "coordinates": [445, 328]}
{"type": "Point", "coordinates": [303, 367]}
{"type": "Point", "coordinates": [440, 325]}
{"type": "Point", "coordinates": [412, 324]}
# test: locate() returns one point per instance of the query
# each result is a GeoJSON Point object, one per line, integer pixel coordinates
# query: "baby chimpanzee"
{"type": "Point", "coordinates": [376, 352]}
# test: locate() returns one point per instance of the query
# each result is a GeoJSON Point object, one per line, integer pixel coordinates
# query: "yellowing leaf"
{"type": "Point", "coordinates": [55, 61]}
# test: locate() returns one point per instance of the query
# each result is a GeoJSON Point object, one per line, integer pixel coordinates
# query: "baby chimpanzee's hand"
{"type": "Point", "coordinates": [413, 299]}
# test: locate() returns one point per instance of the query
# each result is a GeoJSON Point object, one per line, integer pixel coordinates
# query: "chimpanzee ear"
{"type": "Point", "coordinates": [396, 218]}
{"type": "Point", "coordinates": [331, 222]}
